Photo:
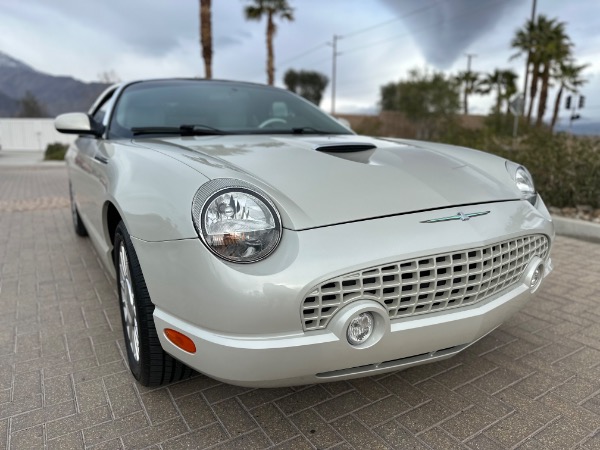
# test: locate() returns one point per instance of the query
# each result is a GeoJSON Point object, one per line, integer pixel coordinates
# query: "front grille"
{"type": "Point", "coordinates": [431, 283]}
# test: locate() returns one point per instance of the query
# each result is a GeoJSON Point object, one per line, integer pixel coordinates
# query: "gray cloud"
{"type": "Point", "coordinates": [156, 38]}
{"type": "Point", "coordinates": [222, 41]}
{"type": "Point", "coordinates": [444, 29]}
{"type": "Point", "coordinates": [148, 27]}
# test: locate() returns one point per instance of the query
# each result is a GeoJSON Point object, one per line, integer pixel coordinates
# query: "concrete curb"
{"type": "Point", "coordinates": [580, 229]}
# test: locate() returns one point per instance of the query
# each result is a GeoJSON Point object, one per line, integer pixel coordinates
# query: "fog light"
{"type": "Point", "coordinates": [536, 277]}
{"type": "Point", "coordinates": [360, 328]}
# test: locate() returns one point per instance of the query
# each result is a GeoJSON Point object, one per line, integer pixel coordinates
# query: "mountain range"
{"type": "Point", "coordinates": [57, 94]}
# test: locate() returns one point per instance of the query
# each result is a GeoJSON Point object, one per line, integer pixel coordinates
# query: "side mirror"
{"type": "Point", "coordinates": [77, 123]}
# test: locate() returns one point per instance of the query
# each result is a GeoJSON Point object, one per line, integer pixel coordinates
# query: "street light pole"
{"type": "Point", "coordinates": [469, 56]}
{"type": "Point", "coordinates": [334, 71]}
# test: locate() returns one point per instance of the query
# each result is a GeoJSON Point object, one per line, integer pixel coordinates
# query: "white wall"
{"type": "Point", "coordinates": [30, 134]}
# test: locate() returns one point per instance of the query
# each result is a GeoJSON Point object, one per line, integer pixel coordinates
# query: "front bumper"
{"type": "Point", "coordinates": [304, 358]}
{"type": "Point", "coordinates": [245, 319]}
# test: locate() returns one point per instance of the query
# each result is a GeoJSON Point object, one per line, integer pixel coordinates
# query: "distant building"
{"type": "Point", "coordinates": [30, 134]}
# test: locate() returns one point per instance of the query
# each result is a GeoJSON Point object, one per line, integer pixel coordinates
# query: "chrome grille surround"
{"type": "Point", "coordinates": [429, 283]}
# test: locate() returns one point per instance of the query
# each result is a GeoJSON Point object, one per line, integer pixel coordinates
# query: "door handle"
{"type": "Point", "coordinates": [101, 159]}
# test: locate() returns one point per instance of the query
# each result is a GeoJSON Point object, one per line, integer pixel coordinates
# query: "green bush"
{"type": "Point", "coordinates": [55, 151]}
{"type": "Point", "coordinates": [565, 168]}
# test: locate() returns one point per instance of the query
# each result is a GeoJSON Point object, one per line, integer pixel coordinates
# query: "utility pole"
{"type": "Point", "coordinates": [469, 56]}
{"type": "Point", "coordinates": [334, 70]}
{"type": "Point", "coordinates": [526, 82]}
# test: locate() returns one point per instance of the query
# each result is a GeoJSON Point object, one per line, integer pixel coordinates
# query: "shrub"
{"type": "Point", "coordinates": [565, 168]}
{"type": "Point", "coordinates": [55, 151]}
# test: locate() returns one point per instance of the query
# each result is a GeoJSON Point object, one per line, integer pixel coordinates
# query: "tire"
{"type": "Point", "coordinates": [148, 362]}
{"type": "Point", "coordinates": [77, 223]}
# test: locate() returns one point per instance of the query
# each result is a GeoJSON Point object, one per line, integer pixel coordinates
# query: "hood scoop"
{"type": "Point", "coordinates": [347, 147]}
{"type": "Point", "coordinates": [359, 152]}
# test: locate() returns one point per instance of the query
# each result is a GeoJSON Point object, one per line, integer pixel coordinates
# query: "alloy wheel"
{"type": "Point", "coordinates": [128, 304]}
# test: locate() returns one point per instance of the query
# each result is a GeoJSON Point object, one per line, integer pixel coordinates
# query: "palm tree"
{"type": "Point", "coordinates": [509, 85]}
{"type": "Point", "coordinates": [525, 42]}
{"type": "Point", "coordinates": [469, 80]}
{"type": "Point", "coordinates": [546, 44]}
{"type": "Point", "coordinates": [568, 75]}
{"type": "Point", "coordinates": [206, 37]}
{"type": "Point", "coordinates": [500, 81]}
{"type": "Point", "coordinates": [554, 49]}
{"type": "Point", "coordinates": [492, 82]}
{"type": "Point", "coordinates": [271, 9]}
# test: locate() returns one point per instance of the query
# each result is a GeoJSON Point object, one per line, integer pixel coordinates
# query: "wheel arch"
{"type": "Point", "coordinates": [112, 217]}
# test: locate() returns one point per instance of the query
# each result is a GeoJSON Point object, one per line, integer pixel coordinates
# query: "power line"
{"type": "Point", "coordinates": [387, 72]}
{"type": "Point", "coordinates": [387, 22]}
{"type": "Point", "coordinates": [469, 12]}
{"type": "Point", "coordinates": [320, 61]}
{"type": "Point", "coordinates": [371, 44]}
{"type": "Point", "coordinates": [372, 27]}
{"type": "Point", "coordinates": [303, 54]}
{"type": "Point", "coordinates": [357, 32]}
{"type": "Point", "coordinates": [356, 80]}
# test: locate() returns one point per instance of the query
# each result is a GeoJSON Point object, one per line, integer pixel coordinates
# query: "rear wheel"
{"type": "Point", "coordinates": [148, 362]}
{"type": "Point", "coordinates": [77, 223]}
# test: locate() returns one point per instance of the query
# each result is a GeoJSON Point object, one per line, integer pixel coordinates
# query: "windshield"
{"type": "Point", "coordinates": [213, 107]}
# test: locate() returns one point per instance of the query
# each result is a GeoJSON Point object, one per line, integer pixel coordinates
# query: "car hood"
{"type": "Point", "coordinates": [322, 180]}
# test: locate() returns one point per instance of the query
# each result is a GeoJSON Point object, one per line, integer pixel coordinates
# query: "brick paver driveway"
{"type": "Point", "coordinates": [533, 383]}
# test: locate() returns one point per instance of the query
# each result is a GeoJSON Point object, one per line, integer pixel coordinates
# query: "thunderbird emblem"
{"type": "Point", "coordinates": [459, 216]}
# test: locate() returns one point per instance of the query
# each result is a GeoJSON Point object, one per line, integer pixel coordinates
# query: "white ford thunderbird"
{"type": "Point", "coordinates": [258, 240]}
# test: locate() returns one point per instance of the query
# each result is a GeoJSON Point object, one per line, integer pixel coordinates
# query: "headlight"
{"type": "Point", "coordinates": [523, 180]}
{"type": "Point", "coordinates": [238, 223]}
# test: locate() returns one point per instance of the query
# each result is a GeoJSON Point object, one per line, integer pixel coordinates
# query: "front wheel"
{"type": "Point", "coordinates": [148, 362]}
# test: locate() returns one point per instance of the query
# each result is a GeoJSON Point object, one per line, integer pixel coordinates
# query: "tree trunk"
{"type": "Point", "coordinates": [556, 107]}
{"type": "Point", "coordinates": [498, 98]}
{"type": "Point", "coordinates": [532, 89]}
{"type": "Point", "coordinates": [543, 95]}
{"type": "Point", "coordinates": [270, 55]}
{"type": "Point", "coordinates": [206, 37]}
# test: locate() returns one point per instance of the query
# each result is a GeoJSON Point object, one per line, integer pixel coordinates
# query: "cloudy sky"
{"type": "Point", "coordinates": [380, 40]}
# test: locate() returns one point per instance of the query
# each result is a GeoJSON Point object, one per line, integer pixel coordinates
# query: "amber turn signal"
{"type": "Point", "coordinates": [180, 340]}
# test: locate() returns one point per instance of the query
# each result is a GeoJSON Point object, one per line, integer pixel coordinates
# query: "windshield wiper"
{"type": "Point", "coordinates": [183, 130]}
{"type": "Point", "coordinates": [199, 128]}
{"type": "Point", "coordinates": [309, 130]}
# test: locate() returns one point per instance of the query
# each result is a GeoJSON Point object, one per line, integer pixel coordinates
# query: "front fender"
{"type": "Point", "coordinates": [152, 192]}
